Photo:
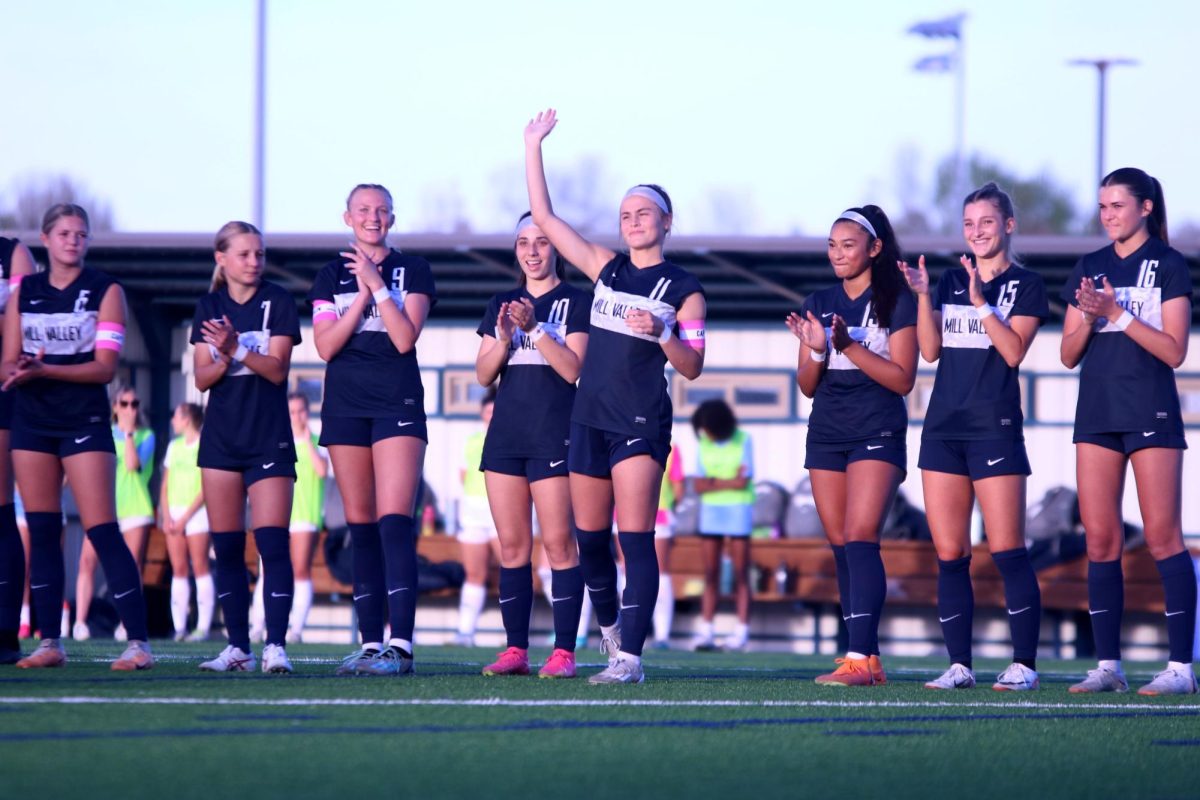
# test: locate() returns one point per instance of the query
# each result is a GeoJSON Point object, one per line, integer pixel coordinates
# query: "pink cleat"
{"type": "Point", "coordinates": [513, 661]}
{"type": "Point", "coordinates": [560, 664]}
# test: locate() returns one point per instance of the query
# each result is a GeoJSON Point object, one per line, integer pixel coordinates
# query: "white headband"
{"type": "Point", "coordinates": [651, 195]}
{"type": "Point", "coordinates": [854, 216]}
{"type": "Point", "coordinates": [525, 222]}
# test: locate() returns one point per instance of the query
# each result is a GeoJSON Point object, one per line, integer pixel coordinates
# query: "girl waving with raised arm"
{"type": "Point", "coordinates": [645, 312]}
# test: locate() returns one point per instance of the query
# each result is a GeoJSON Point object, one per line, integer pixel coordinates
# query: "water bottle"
{"type": "Point", "coordinates": [781, 579]}
{"type": "Point", "coordinates": [726, 582]}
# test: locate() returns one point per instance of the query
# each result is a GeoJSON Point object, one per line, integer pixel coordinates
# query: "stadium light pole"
{"type": "Point", "coordinates": [954, 61]}
{"type": "Point", "coordinates": [260, 101]}
{"type": "Point", "coordinates": [1101, 65]}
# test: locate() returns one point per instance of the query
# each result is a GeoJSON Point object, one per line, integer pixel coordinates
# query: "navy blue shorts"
{"type": "Point", "coordinates": [595, 452]}
{"type": "Point", "coordinates": [977, 459]}
{"type": "Point", "coordinates": [7, 400]}
{"type": "Point", "coordinates": [531, 469]}
{"type": "Point", "coordinates": [366, 431]}
{"type": "Point", "coordinates": [1129, 442]}
{"type": "Point", "coordinates": [254, 471]}
{"type": "Point", "coordinates": [837, 456]}
{"type": "Point", "coordinates": [92, 439]}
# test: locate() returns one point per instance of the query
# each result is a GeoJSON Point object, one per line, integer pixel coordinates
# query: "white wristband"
{"type": "Point", "coordinates": [813, 355]}
{"type": "Point", "coordinates": [666, 334]}
{"type": "Point", "coordinates": [1122, 322]}
{"type": "Point", "coordinates": [241, 353]}
{"type": "Point", "coordinates": [381, 295]}
{"type": "Point", "coordinates": [984, 311]}
{"type": "Point", "coordinates": [536, 334]}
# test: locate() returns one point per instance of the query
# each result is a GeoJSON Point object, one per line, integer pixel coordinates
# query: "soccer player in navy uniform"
{"type": "Point", "coordinates": [978, 324]}
{"type": "Point", "coordinates": [533, 339]}
{"type": "Point", "coordinates": [858, 359]}
{"type": "Point", "coordinates": [645, 312]}
{"type": "Point", "coordinates": [243, 333]}
{"type": "Point", "coordinates": [1127, 324]}
{"type": "Point", "coordinates": [63, 333]}
{"type": "Point", "coordinates": [369, 308]}
{"type": "Point", "coordinates": [15, 263]}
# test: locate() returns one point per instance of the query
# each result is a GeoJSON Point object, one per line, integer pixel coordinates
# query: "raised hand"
{"type": "Point", "coordinates": [809, 331]}
{"type": "Point", "coordinates": [540, 126]}
{"type": "Point", "coordinates": [645, 323]}
{"type": "Point", "coordinates": [362, 267]}
{"type": "Point", "coordinates": [917, 279]}
{"type": "Point", "coordinates": [521, 313]}
{"type": "Point", "coordinates": [840, 333]}
{"type": "Point", "coordinates": [974, 284]}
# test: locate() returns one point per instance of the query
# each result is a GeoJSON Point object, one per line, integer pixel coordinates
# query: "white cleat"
{"type": "Point", "coordinates": [1172, 680]}
{"type": "Point", "coordinates": [957, 677]}
{"type": "Point", "coordinates": [231, 659]}
{"type": "Point", "coordinates": [1016, 678]}
{"type": "Point", "coordinates": [610, 644]}
{"type": "Point", "coordinates": [620, 670]}
{"type": "Point", "coordinates": [80, 632]}
{"type": "Point", "coordinates": [1101, 679]}
{"type": "Point", "coordinates": [275, 660]}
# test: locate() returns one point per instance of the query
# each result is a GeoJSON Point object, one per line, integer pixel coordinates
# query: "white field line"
{"type": "Point", "coordinates": [646, 703]}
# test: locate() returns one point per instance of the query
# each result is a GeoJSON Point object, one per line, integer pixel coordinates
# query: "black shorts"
{"type": "Point", "coordinates": [595, 452]}
{"type": "Point", "coordinates": [1127, 443]}
{"type": "Point", "coordinates": [254, 471]}
{"type": "Point", "coordinates": [91, 439]}
{"type": "Point", "coordinates": [839, 455]}
{"type": "Point", "coordinates": [975, 458]}
{"type": "Point", "coordinates": [7, 400]}
{"type": "Point", "coordinates": [366, 431]}
{"type": "Point", "coordinates": [531, 469]}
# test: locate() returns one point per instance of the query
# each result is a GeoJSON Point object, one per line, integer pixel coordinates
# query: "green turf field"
{"type": "Point", "coordinates": [711, 725]}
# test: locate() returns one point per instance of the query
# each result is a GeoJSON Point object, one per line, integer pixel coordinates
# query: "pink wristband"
{"type": "Point", "coordinates": [324, 310]}
{"type": "Point", "coordinates": [110, 336]}
{"type": "Point", "coordinates": [691, 333]}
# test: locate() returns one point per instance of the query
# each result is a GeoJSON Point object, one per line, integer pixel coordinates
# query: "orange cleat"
{"type": "Point", "coordinates": [49, 653]}
{"type": "Point", "coordinates": [136, 657]}
{"type": "Point", "coordinates": [513, 661]}
{"type": "Point", "coordinates": [560, 664]}
{"type": "Point", "coordinates": [850, 672]}
{"type": "Point", "coordinates": [877, 673]}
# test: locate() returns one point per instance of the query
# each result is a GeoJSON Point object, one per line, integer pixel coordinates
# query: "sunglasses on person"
{"type": "Point", "coordinates": [129, 403]}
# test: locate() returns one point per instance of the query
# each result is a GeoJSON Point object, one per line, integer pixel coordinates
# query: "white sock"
{"type": "Point", "coordinates": [607, 630]}
{"type": "Point", "coordinates": [302, 598]}
{"type": "Point", "coordinates": [546, 577]}
{"type": "Point", "coordinates": [853, 656]}
{"type": "Point", "coordinates": [664, 610]}
{"type": "Point", "coordinates": [1114, 665]}
{"type": "Point", "coordinates": [258, 614]}
{"type": "Point", "coordinates": [24, 615]}
{"type": "Point", "coordinates": [470, 606]}
{"type": "Point", "coordinates": [181, 599]}
{"type": "Point", "coordinates": [1179, 666]}
{"type": "Point", "coordinates": [741, 632]}
{"type": "Point", "coordinates": [707, 629]}
{"type": "Point", "coordinates": [629, 657]}
{"type": "Point", "coordinates": [403, 644]}
{"type": "Point", "coordinates": [585, 616]}
{"type": "Point", "coordinates": [206, 601]}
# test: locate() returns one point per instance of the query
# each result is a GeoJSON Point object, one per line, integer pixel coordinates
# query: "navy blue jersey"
{"type": "Point", "coordinates": [622, 388]}
{"type": "Point", "coordinates": [848, 405]}
{"type": "Point", "coordinates": [247, 418]}
{"type": "Point", "coordinates": [976, 394]}
{"type": "Point", "coordinates": [533, 404]}
{"type": "Point", "coordinates": [1121, 386]}
{"type": "Point", "coordinates": [61, 323]}
{"type": "Point", "coordinates": [369, 377]}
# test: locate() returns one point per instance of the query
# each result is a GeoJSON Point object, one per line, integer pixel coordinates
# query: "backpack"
{"type": "Point", "coordinates": [801, 520]}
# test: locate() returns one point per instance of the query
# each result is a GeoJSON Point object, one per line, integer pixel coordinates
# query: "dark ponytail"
{"type": "Point", "coordinates": [886, 281]}
{"type": "Point", "coordinates": [1143, 187]}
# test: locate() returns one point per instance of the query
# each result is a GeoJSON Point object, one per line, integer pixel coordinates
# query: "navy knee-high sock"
{"type": "Point", "coordinates": [599, 572]}
{"type": "Point", "coordinates": [641, 589]}
{"type": "Point", "coordinates": [233, 586]}
{"type": "Point", "coordinates": [124, 582]}
{"type": "Point", "coordinates": [566, 592]}
{"type": "Point", "coordinates": [956, 608]}
{"type": "Point", "coordinates": [370, 594]}
{"type": "Point", "coordinates": [400, 573]}
{"type": "Point", "coordinates": [278, 582]}
{"type": "Point", "coordinates": [1106, 605]}
{"type": "Point", "coordinates": [46, 573]}
{"type": "Point", "coordinates": [516, 603]}
{"type": "Point", "coordinates": [843, 578]}
{"type": "Point", "coordinates": [1023, 597]}
{"type": "Point", "coordinates": [12, 577]}
{"type": "Point", "coordinates": [1179, 586]}
{"type": "Point", "coordinates": [868, 587]}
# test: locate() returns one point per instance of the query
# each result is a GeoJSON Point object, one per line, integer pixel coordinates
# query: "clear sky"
{"type": "Point", "coordinates": [759, 117]}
